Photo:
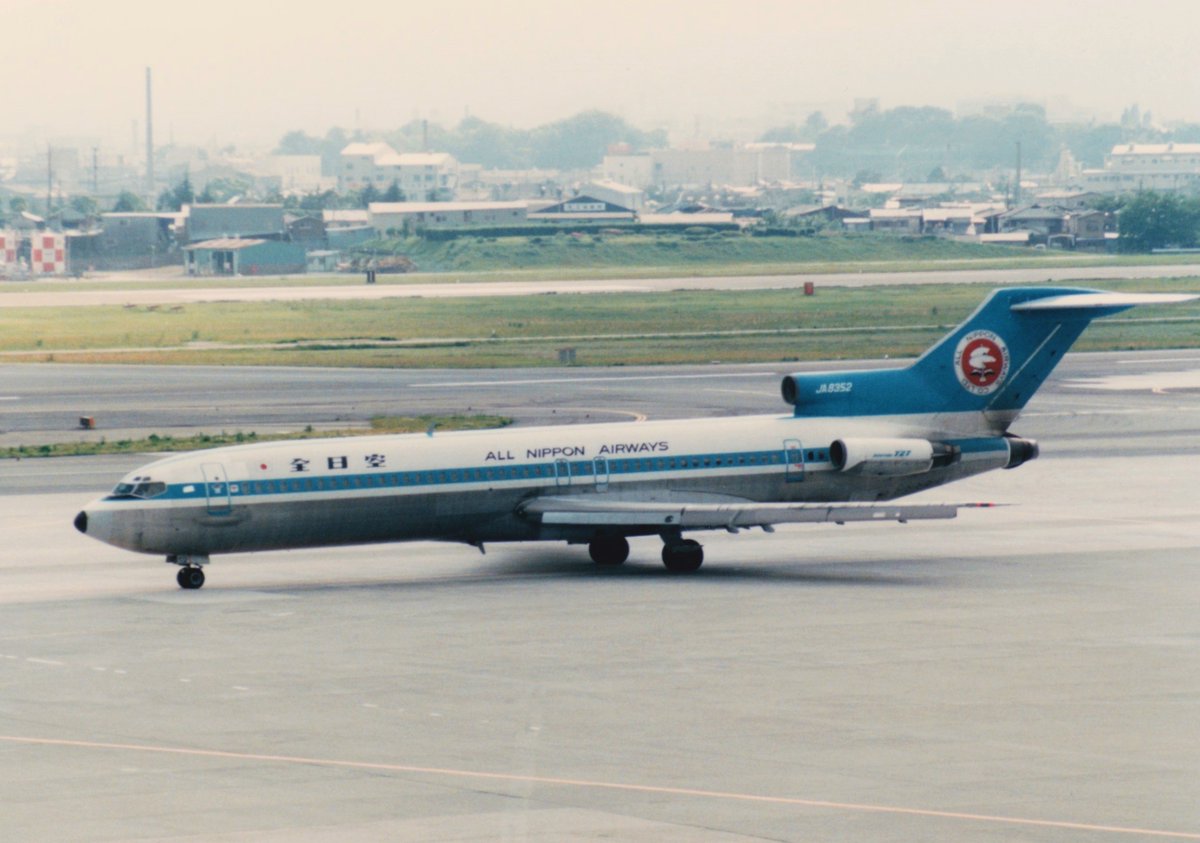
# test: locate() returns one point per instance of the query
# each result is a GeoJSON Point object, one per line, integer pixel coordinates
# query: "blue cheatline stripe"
{"type": "Point", "coordinates": [301, 483]}
{"type": "Point", "coordinates": [548, 471]}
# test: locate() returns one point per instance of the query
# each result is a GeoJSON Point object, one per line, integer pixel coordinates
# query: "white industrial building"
{"type": "Point", "coordinates": [408, 216]}
{"type": "Point", "coordinates": [1165, 167]}
{"type": "Point", "coordinates": [421, 176]}
{"type": "Point", "coordinates": [294, 173]}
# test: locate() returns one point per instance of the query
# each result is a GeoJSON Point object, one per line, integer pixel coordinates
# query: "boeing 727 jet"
{"type": "Point", "coordinates": [854, 442]}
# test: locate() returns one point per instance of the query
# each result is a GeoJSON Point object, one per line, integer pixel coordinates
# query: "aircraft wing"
{"type": "Point", "coordinates": [595, 512]}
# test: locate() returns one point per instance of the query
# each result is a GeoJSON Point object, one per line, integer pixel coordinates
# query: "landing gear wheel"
{"type": "Point", "coordinates": [190, 577]}
{"type": "Point", "coordinates": [683, 557]}
{"type": "Point", "coordinates": [609, 550]}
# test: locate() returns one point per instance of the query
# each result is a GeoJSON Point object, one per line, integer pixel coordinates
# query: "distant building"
{"type": "Point", "coordinates": [128, 241]}
{"type": "Point", "coordinates": [308, 229]}
{"type": "Point", "coordinates": [346, 228]}
{"type": "Point", "coordinates": [616, 193]}
{"type": "Point", "coordinates": [1057, 226]}
{"type": "Point", "coordinates": [408, 216]}
{"type": "Point", "coordinates": [723, 219]}
{"type": "Point", "coordinates": [584, 207]}
{"type": "Point", "coordinates": [207, 222]}
{"type": "Point", "coordinates": [634, 170]}
{"type": "Point", "coordinates": [1164, 167]}
{"type": "Point", "coordinates": [828, 213]}
{"type": "Point", "coordinates": [335, 217]}
{"type": "Point", "coordinates": [896, 220]}
{"type": "Point", "coordinates": [244, 256]}
{"type": "Point", "coordinates": [421, 176]}
{"type": "Point", "coordinates": [510, 185]}
{"type": "Point", "coordinates": [323, 260]}
{"type": "Point", "coordinates": [727, 164]}
{"type": "Point", "coordinates": [1069, 199]}
{"type": "Point", "coordinates": [291, 174]}
{"type": "Point", "coordinates": [357, 168]}
{"type": "Point", "coordinates": [1043, 222]}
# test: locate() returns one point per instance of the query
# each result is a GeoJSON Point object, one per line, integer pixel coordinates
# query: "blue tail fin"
{"type": "Point", "coordinates": [992, 363]}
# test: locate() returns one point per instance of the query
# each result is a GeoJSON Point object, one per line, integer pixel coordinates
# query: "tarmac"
{"type": "Point", "coordinates": [1028, 672]}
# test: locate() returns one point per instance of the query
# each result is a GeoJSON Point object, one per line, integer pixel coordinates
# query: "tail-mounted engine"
{"type": "Point", "coordinates": [890, 457]}
{"type": "Point", "coordinates": [1020, 451]}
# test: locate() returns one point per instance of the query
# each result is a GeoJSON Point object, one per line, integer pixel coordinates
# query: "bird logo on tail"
{"type": "Point", "coordinates": [981, 362]}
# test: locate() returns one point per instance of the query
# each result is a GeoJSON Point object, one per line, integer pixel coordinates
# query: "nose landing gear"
{"type": "Point", "coordinates": [191, 571]}
{"type": "Point", "coordinates": [190, 577]}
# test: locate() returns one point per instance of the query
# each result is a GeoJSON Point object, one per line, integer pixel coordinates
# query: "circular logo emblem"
{"type": "Point", "coordinates": [981, 362]}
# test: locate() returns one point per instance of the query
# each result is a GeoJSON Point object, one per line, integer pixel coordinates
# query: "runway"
{"type": "Point", "coordinates": [450, 286]}
{"type": "Point", "coordinates": [1029, 672]}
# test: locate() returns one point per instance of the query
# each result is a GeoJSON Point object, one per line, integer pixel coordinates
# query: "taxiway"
{"type": "Point", "coordinates": [1029, 672]}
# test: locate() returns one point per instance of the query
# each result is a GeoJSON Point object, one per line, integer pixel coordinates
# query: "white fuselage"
{"type": "Point", "coordinates": [470, 486]}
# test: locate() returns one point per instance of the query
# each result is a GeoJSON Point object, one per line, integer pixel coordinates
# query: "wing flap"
{"type": "Point", "coordinates": [729, 516]}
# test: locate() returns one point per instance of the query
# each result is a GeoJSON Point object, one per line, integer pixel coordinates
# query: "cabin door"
{"type": "Point", "coordinates": [600, 467]}
{"type": "Point", "coordinates": [562, 472]}
{"type": "Point", "coordinates": [216, 489]}
{"type": "Point", "coordinates": [793, 460]}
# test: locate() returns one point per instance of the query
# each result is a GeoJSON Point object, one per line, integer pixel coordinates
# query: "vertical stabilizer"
{"type": "Point", "coordinates": [991, 364]}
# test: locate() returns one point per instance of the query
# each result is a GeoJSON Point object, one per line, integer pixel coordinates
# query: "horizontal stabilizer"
{"type": "Point", "coordinates": [1101, 301]}
{"type": "Point", "coordinates": [728, 516]}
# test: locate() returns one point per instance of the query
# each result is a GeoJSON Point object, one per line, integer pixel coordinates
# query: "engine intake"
{"type": "Point", "coordinates": [890, 457]}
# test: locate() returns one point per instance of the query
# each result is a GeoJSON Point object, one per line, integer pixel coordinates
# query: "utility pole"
{"type": "Point", "coordinates": [49, 177]}
{"type": "Point", "coordinates": [95, 171]}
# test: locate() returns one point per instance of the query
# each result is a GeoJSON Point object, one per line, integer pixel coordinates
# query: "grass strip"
{"type": "Point", "coordinates": [155, 443]}
{"type": "Point", "coordinates": [683, 326]}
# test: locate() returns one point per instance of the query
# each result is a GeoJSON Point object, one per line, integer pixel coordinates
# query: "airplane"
{"type": "Point", "coordinates": [854, 441]}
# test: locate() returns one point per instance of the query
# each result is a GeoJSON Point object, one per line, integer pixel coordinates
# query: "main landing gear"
{"type": "Point", "coordinates": [609, 550]}
{"type": "Point", "coordinates": [679, 555]}
{"type": "Point", "coordinates": [191, 572]}
{"type": "Point", "coordinates": [682, 556]}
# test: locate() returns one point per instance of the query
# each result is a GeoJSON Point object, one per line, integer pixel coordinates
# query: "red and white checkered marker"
{"type": "Point", "coordinates": [48, 253]}
{"type": "Point", "coordinates": [8, 251]}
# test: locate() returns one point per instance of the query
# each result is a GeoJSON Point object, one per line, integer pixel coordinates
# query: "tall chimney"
{"type": "Point", "coordinates": [1017, 187]}
{"type": "Point", "coordinates": [149, 142]}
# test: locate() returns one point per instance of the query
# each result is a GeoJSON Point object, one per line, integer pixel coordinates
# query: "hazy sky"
{"type": "Point", "coordinates": [248, 71]}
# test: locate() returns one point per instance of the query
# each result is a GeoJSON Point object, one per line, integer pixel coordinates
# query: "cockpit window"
{"type": "Point", "coordinates": [140, 489]}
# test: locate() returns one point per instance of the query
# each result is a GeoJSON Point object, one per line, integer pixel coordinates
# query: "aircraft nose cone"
{"type": "Point", "coordinates": [81, 522]}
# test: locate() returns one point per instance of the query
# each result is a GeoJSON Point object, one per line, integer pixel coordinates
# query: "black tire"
{"type": "Point", "coordinates": [190, 578]}
{"type": "Point", "coordinates": [609, 550]}
{"type": "Point", "coordinates": [683, 557]}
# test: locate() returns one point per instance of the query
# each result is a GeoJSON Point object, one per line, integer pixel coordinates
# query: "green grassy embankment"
{"type": "Point", "coordinates": [616, 329]}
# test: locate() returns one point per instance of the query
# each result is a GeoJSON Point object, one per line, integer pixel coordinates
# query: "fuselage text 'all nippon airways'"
{"type": "Point", "coordinates": [854, 442]}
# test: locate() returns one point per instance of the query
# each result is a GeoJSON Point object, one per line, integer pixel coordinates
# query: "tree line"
{"type": "Point", "coordinates": [578, 142]}
{"type": "Point", "coordinates": [906, 143]}
{"type": "Point", "coordinates": [909, 142]}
